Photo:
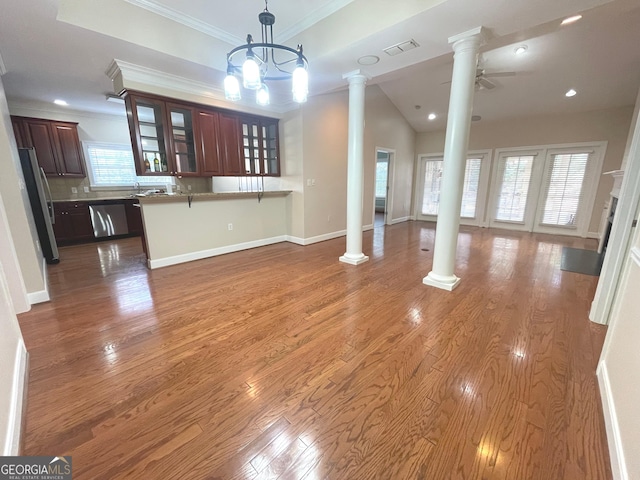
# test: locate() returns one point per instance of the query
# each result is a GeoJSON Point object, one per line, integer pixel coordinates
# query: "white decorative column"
{"type": "Point", "coordinates": [355, 168]}
{"type": "Point", "coordinates": [465, 62]}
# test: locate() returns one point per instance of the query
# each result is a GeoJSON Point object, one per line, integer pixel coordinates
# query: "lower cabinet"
{"type": "Point", "coordinates": [72, 222]}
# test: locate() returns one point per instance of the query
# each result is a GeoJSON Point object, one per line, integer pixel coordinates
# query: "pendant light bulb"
{"type": "Point", "coordinates": [300, 81]}
{"type": "Point", "coordinates": [262, 95]}
{"type": "Point", "coordinates": [251, 72]}
{"type": "Point", "coordinates": [231, 87]}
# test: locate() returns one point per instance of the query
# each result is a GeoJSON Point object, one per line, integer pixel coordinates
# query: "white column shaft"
{"type": "Point", "coordinates": [455, 158]}
{"type": "Point", "coordinates": [355, 171]}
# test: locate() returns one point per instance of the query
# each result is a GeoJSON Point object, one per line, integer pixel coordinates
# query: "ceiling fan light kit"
{"type": "Point", "coordinates": [266, 61]}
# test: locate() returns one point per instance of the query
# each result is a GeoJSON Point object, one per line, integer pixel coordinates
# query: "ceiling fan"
{"type": "Point", "coordinates": [482, 78]}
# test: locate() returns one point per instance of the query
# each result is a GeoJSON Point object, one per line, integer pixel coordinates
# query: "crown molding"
{"type": "Point", "coordinates": [38, 109]}
{"type": "Point", "coordinates": [187, 20]}
{"type": "Point", "coordinates": [320, 13]}
{"type": "Point", "coordinates": [155, 78]}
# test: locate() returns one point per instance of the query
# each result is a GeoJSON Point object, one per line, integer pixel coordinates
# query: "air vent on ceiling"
{"type": "Point", "coordinates": [401, 47]}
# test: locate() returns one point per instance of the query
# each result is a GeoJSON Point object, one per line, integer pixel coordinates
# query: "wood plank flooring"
{"type": "Point", "coordinates": [283, 363]}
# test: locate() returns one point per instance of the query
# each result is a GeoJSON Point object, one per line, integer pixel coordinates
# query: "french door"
{"type": "Point", "coordinates": [476, 179]}
{"type": "Point", "coordinates": [548, 190]}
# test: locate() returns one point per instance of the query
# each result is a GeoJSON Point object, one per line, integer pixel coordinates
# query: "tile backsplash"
{"type": "Point", "coordinates": [61, 188]}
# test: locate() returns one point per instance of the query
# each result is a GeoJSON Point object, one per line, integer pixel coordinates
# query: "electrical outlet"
{"type": "Point", "coordinates": [86, 189]}
{"type": "Point", "coordinates": [313, 182]}
{"type": "Point", "coordinates": [308, 182]}
{"type": "Point", "coordinates": [74, 190]}
{"type": "Point", "coordinates": [230, 226]}
{"type": "Point", "coordinates": [189, 188]}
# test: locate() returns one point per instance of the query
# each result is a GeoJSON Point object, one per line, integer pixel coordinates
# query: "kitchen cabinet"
{"type": "Point", "coordinates": [162, 136]}
{"type": "Point", "coordinates": [260, 146]}
{"type": "Point", "coordinates": [72, 223]}
{"type": "Point", "coordinates": [171, 137]}
{"type": "Point", "coordinates": [134, 217]}
{"type": "Point", "coordinates": [56, 144]}
{"type": "Point", "coordinates": [229, 142]}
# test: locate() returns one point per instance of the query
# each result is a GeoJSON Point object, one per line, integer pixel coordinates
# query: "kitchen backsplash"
{"type": "Point", "coordinates": [62, 188]}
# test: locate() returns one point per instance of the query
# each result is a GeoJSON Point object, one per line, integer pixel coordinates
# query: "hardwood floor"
{"type": "Point", "coordinates": [281, 362]}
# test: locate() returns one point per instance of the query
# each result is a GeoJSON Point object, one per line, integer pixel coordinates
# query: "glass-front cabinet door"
{"type": "Point", "coordinates": [181, 126]}
{"type": "Point", "coordinates": [149, 135]}
{"type": "Point", "coordinates": [260, 147]}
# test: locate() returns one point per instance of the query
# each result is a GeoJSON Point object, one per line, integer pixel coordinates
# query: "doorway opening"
{"type": "Point", "coordinates": [382, 188]}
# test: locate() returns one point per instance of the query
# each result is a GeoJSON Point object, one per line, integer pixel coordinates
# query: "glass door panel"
{"type": "Point", "coordinates": [149, 115]}
{"type": "Point", "coordinates": [182, 140]}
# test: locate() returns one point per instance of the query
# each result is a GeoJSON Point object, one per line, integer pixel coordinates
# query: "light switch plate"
{"type": "Point", "coordinates": [74, 190]}
{"type": "Point", "coordinates": [86, 189]}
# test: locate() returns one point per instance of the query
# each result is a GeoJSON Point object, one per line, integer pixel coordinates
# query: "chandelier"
{"type": "Point", "coordinates": [266, 61]}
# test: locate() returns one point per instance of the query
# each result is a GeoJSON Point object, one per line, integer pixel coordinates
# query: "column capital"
{"type": "Point", "coordinates": [357, 76]}
{"type": "Point", "coordinates": [477, 37]}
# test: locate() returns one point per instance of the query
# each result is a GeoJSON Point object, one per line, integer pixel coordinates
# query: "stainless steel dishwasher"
{"type": "Point", "coordinates": [108, 220]}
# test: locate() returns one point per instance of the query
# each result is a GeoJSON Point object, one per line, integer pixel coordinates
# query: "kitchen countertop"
{"type": "Point", "coordinates": [161, 197]}
{"type": "Point", "coordinates": [122, 197]}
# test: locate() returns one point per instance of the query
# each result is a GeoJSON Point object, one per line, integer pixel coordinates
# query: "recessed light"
{"type": "Point", "coordinates": [368, 60]}
{"type": "Point", "coordinates": [432, 116]}
{"type": "Point", "coordinates": [57, 101]}
{"type": "Point", "coordinates": [570, 93]}
{"type": "Point", "coordinates": [572, 19]}
{"type": "Point", "coordinates": [520, 50]}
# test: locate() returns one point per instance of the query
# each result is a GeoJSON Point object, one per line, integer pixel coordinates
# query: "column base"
{"type": "Point", "coordinates": [354, 259]}
{"type": "Point", "coordinates": [441, 281]}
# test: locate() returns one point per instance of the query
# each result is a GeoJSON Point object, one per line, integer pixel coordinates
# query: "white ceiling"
{"type": "Point", "coordinates": [62, 49]}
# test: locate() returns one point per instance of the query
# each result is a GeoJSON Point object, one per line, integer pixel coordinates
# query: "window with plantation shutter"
{"type": "Point", "coordinates": [564, 180]}
{"type": "Point", "coordinates": [515, 177]}
{"type": "Point", "coordinates": [432, 185]}
{"type": "Point", "coordinates": [113, 166]}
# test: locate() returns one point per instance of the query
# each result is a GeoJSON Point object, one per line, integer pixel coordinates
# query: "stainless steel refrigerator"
{"type": "Point", "coordinates": [41, 203]}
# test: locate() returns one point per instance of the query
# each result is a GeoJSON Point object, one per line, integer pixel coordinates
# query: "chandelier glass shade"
{"type": "Point", "coordinates": [257, 63]}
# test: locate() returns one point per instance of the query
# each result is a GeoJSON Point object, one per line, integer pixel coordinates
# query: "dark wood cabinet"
{"type": "Point", "coordinates": [170, 137]}
{"type": "Point", "coordinates": [70, 157]}
{"type": "Point", "coordinates": [72, 223]}
{"type": "Point", "coordinates": [56, 144]}
{"type": "Point", "coordinates": [260, 150]}
{"type": "Point", "coordinates": [230, 142]}
{"type": "Point", "coordinates": [134, 217]}
{"type": "Point", "coordinates": [208, 131]}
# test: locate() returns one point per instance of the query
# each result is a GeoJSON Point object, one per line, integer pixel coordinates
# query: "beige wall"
{"type": "Point", "coordinates": [175, 230]}
{"type": "Point", "coordinates": [610, 125]}
{"type": "Point", "coordinates": [325, 121]}
{"type": "Point", "coordinates": [19, 216]}
{"type": "Point", "coordinates": [385, 127]}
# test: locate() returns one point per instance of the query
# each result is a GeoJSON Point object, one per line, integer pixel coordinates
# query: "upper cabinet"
{"type": "Point", "coordinates": [56, 144]}
{"type": "Point", "coordinates": [183, 139]}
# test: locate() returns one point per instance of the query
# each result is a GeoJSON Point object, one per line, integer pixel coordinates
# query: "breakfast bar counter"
{"type": "Point", "coordinates": [184, 227]}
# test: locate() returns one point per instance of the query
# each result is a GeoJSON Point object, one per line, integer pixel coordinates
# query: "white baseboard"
{"type": "Point", "coordinates": [618, 466]}
{"type": "Point", "coordinates": [400, 220]}
{"type": "Point", "coordinates": [38, 297]}
{"type": "Point", "coordinates": [14, 420]}
{"type": "Point", "coordinates": [189, 257]}
{"type": "Point", "coordinates": [42, 295]}
{"type": "Point", "coordinates": [367, 227]}
{"type": "Point", "coordinates": [316, 239]}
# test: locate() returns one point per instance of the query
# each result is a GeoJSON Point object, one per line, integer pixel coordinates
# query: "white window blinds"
{"type": "Point", "coordinates": [432, 185]}
{"type": "Point", "coordinates": [514, 188]}
{"type": "Point", "coordinates": [113, 166]}
{"type": "Point", "coordinates": [564, 179]}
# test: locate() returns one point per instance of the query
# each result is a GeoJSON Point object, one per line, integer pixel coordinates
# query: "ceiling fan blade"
{"type": "Point", "coordinates": [500, 74]}
{"type": "Point", "coordinates": [486, 83]}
